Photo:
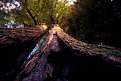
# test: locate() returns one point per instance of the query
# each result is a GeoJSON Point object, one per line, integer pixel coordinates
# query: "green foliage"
{"type": "Point", "coordinates": [2, 17]}
{"type": "Point", "coordinates": [8, 19]}
{"type": "Point", "coordinates": [34, 12]}
{"type": "Point", "coordinates": [56, 8]}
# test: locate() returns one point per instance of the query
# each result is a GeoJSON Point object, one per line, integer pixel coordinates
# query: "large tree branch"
{"type": "Point", "coordinates": [52, 19]}
{"type": "Point", "coordinates": [31, 15]}
{"type": "Point", "coordinates": [25, 4]}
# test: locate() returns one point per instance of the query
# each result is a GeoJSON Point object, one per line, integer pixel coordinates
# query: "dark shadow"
{"type": "Point", "coordinates": [68, 66]}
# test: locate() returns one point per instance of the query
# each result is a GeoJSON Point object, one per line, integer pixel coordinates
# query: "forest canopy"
{"type": "Point", "coordinates": [37, 11]}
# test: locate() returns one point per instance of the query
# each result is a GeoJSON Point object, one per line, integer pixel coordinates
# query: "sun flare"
{"type": "Point", "coordinates": [71, 2]}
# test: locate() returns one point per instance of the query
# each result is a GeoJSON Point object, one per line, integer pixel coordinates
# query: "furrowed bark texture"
{"type": "Point", "coordinates": [63, 58]}
{"type": "Point", "coordinates": [14, 47]}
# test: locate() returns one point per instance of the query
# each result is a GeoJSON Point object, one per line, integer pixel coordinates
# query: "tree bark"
{"type": "Point", "coordinates": [71, 60]}
{"type": "Point", "coordinates": [59, 58]}
{"type": "Point", "coordinates": [15, 44]}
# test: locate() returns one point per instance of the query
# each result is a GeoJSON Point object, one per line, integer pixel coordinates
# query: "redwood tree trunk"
{"type": "Point", "coordinates": [63, 58]}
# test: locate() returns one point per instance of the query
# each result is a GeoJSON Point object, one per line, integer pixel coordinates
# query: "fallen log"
{"type": "Point", "coordinates": [63, 58]}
